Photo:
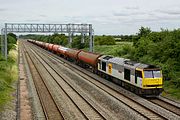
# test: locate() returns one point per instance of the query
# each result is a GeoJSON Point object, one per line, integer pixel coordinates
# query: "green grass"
{"type": "Point", "coordinates": [124, 43]}
{"type": "Point", "coordinates": [171, 91]}
{"type": "Point", "coordinates": [107, 49]}
{"type": "Point", "coordinates": [114, 50]}
{"type": "Point", "coordinates": [8, 75]}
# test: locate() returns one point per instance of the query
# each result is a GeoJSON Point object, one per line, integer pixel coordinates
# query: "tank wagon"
{"type": "Point", "coordinates": [142, 79]}
{"type": "Point", "coordinates": [88, 59]}
{"type": "Point", "coordinates": [72, 54]}
{"type": "Point", "coordinates": [55, 48]}
{"type": "Point", "coordinates": [46, 45]}
{"type": "Point", "coordinates": [50, 47]}
{"type": "Point", "coordinates": [62, 51]}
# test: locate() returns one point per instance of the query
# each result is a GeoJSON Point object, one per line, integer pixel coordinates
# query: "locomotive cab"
{"type": "Point", "coordinates": [152, 78]}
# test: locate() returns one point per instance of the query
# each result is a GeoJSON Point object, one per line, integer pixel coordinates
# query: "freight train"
{"type": "Point", "coordinates": [142, 79]}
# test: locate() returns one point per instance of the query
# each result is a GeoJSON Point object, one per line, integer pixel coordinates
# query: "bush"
{"type": "Point", "coordinates": [8, 74]}
{"type": "Point", "coordinates": [104, 40]}
{"type": "Point", "coordinates": [76, 43]}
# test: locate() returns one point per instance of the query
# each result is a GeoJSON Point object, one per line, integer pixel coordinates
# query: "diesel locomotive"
{"type": "Point", "coordinates": [142, 79]}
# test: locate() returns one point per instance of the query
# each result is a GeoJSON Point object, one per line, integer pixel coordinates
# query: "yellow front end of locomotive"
{"type": "Point", "coordinates": [149, 82]}
{"type": "Point", "coordinates": [152, 83]}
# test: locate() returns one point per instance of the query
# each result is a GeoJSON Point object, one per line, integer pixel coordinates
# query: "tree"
{"type": "Point", "coordinates": [11, 40]}
{"type": "Point", "coordinates": [13, 35]}
{"type": "Point", "coordinates": [77, 43]}
{"type": "Point", "coordinates": [144, 31]}
{"type": "Point", "coordinates": [162, 49]}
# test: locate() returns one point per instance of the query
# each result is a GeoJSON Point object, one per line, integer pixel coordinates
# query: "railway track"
{"type": "Point", "coordinates": [50, 108]}
{"type": "Point", "coordinates": [89, 109]}
{"type": "Point", "coordinates": [167, 105]}
{"type": "Point", "coordinates": [145, 112]}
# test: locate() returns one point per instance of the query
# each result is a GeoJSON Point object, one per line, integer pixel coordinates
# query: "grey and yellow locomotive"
{"type": "Point", "coordinates": [141, 78]}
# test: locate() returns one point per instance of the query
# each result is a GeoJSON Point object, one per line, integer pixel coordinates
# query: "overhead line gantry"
{"type": "Point", "coordinates": [71, 29]}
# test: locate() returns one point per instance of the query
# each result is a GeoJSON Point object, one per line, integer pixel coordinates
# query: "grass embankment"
{"type": "Point", "coordinates": [171, 91]}
{"type": "Point", "coordinates": [8, 75]}
{"type": "Point", "coordinates": [114, 50]}
{"type": "Point", "coordinates": [120, 49]}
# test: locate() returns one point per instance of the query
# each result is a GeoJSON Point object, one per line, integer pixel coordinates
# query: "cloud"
{"type": "Point", "coordinates": [132, 8]}
{"type": "Point", "coordinates": [121, 14]}
{"type": "Point", "coordinates": [170, 12]}
{"type": "Point", "coordinates": [130, 16]}
{"type": "Point", "coordinates": [3, 9]}
{"type": "Point", "coordinates": [127, 13]}
{"type": "Point", "coordinates": [112, 16]}
{"type": "Point", "coordinates": [33, 20]}
{"type": "Point", "coordinates": [44, 16]}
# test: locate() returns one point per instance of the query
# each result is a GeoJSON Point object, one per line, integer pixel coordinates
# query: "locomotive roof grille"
{"type": "Point", "coordinates": [107, 57]}
{"type": "Point", "coordinates": [130, 62]}
{"type": "Point", "coordinates": [147, 66]}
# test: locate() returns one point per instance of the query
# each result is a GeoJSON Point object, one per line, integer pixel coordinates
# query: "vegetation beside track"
{"type": "Point", "coordinates": [121, 50]}
{"type": "Point", "coordinates": [157, 48]}
{"type": "Point", "coordinates": [8, 73]}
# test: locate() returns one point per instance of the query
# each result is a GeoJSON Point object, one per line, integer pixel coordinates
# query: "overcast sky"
{"type": "Point", "coordinates": [107, 16]}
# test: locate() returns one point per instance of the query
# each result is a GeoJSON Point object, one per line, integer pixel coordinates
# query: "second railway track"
{"type": "Point", "coordinates": [50, 108]}
{"type": "Point", "coordinates": [167, 105]}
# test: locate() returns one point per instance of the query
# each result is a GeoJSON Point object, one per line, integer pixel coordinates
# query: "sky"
{"type": "Point", "coordinates": [111, 17]}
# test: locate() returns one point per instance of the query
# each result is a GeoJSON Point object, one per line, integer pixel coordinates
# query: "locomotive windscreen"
{"type": "Point", "coordinates": [152, 74]}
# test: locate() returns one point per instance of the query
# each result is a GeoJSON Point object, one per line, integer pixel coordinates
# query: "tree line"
{"type": "Point", "coordinates": [11, 41]}
{"type": "Point", "coordinates": [62, 39]}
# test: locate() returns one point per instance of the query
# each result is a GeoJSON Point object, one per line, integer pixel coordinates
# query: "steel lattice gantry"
{"type": "Point", "coordinates": [46, 28]}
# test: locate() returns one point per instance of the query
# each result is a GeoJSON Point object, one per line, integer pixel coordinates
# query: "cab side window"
{"type": "Point", "coordinates": [99, 64]}
{"type": "Point", "coordinates": [104, 66]}
{"type": "Point", "coordinates": [137, 74]}
{"type": "Point", "coordinates": [127, 74]}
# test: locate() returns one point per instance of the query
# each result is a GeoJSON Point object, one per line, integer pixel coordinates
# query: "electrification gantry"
{"type": "Point", "coordinates": [71, 29]}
